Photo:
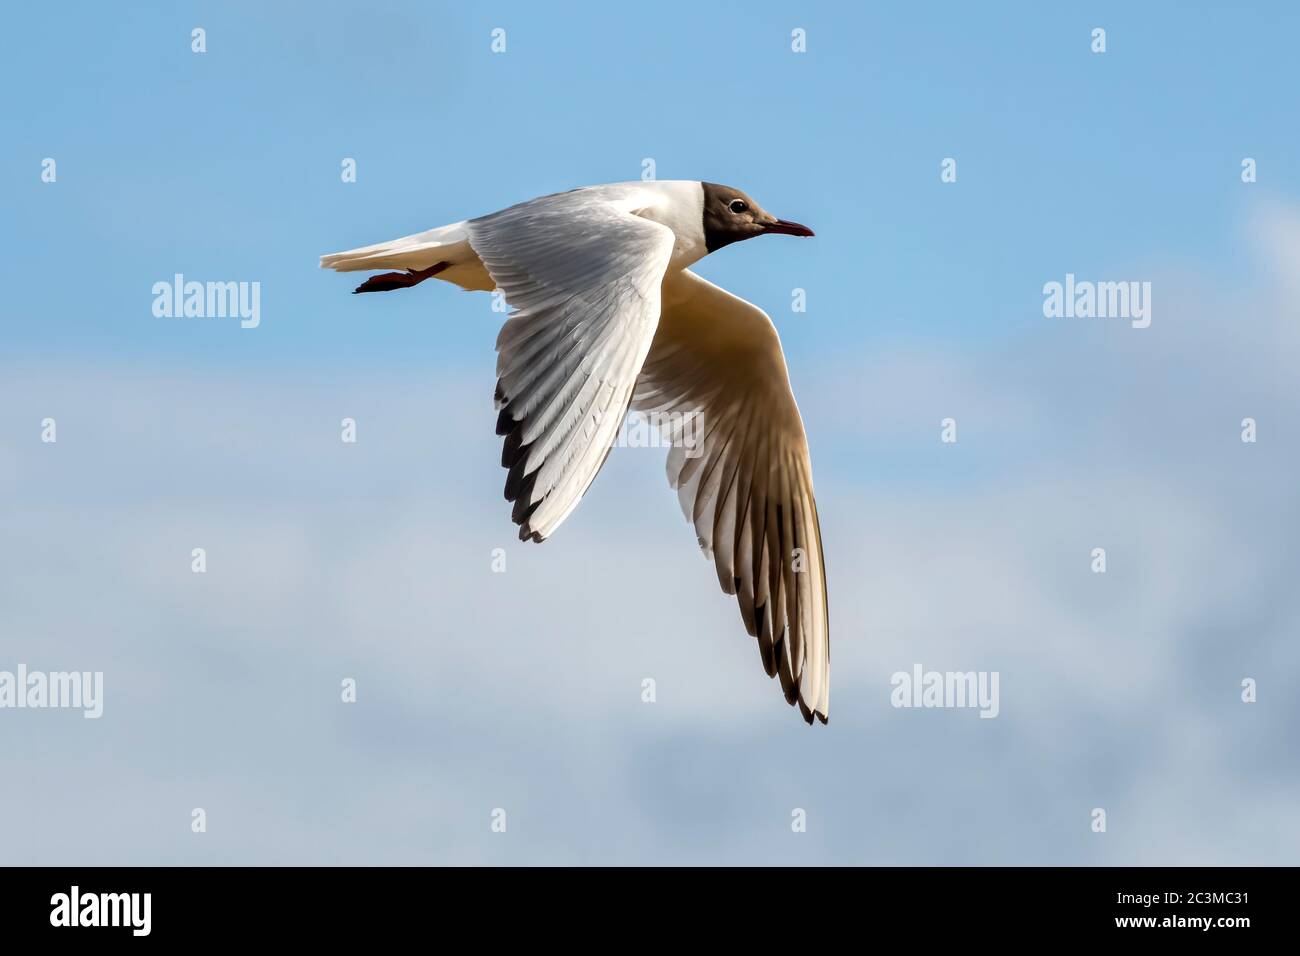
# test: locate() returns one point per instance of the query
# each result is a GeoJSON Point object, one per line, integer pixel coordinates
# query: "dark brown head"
{"type": "Point", "coordinates": [730, 216]}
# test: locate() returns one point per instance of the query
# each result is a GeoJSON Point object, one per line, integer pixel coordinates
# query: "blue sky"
{"type": "Point", "coordinates": [522, 690]}
{"type": "Point", "coordinates": [228, 162]}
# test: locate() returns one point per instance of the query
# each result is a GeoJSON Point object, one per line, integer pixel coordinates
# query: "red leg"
{"type": "Point", "coordinates": [389, 281]}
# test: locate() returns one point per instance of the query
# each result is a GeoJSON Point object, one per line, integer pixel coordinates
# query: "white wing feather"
{"type": "Point", "coordinates": [582, 274]}
{"type": "Point", "coordinates": [746, 482]}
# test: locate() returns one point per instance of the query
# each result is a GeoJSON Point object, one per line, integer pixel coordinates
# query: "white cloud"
{"type": "Point", "coordinates": [523, 689]}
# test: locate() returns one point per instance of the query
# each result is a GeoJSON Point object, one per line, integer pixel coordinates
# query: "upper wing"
{"type": "Point", "coordinates": [582, 274]}
{"type": "Point", "coordinates": [740, 465]}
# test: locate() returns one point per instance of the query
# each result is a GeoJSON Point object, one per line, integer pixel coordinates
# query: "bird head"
{"type": "Point", "coordinates": [730, 216]}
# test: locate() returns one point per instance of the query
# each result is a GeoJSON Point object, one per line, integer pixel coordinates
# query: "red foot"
{"type": "Point", "coordinates": [389, 281]}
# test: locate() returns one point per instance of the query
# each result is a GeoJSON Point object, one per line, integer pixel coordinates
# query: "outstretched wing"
{"type": "Point", "coordinates": [715, 380]}
{"type": "Point", "coordinates": [582, 273]}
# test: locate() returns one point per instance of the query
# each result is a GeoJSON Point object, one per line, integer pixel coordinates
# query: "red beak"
{"type": "Point", "coordinates": [783, 227]}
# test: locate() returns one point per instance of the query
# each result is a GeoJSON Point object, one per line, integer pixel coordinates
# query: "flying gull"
{"type": "Point", "coordinates": [606, 318]}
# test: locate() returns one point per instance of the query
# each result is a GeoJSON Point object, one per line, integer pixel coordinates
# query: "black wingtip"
{"type": "Point", "coordinates": [519, 485]}
{"type": "Point", "coordinates": [505, 425]}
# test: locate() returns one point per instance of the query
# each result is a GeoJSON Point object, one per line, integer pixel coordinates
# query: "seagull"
{"type": "Point", "coordinates": [606, 318]}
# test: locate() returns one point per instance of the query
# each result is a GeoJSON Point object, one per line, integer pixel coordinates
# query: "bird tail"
{"type": "Point", "coordinates": [417, 252]}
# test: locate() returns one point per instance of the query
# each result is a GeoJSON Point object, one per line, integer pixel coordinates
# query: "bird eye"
{"type": "Point", "coordinates": [738, 205]}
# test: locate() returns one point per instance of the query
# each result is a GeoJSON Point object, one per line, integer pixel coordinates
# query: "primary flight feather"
{"type": "Point", "coordinates": [608, 317]}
